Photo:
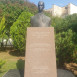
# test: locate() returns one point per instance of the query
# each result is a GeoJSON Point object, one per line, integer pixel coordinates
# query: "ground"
{"type": "Point", "coordinates": [12, 61]}
{"type": "Point", "coordinates": [15, 61]}
{"type": "Point", "coordinates": [72, 67]}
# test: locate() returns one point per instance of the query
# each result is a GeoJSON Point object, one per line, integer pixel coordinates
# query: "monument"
{"type": "Point", "coordinates": [40, 60]}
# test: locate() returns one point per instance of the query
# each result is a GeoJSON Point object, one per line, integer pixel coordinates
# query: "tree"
{"type": "Point", "coordinates": [72, 22]}
{"type": "Point", "coordinates": [2, 26]}
{"type": "Point", "coordinates": [57, 24]}
{"type": "Point", "coordinates": [3, 31]}
{"type": "Point", "coordinates": [18, 31]}
{"type": "Point", "coordinates": [12, 9]}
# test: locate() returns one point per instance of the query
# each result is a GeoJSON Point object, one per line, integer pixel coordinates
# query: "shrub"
{"type": "Point", "coordinates": [64, 47]}
{"type": "Point", "coordinates": [18, 31]}
{"type": "Point", "coordinates": [1, 63]}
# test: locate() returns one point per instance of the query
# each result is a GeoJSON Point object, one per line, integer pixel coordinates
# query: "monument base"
{"type": "Point", "coordinates": [20, 73]}
{"type": "Point", "coordinates": [40, 52]}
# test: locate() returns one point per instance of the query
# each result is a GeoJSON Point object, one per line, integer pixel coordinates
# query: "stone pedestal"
{"type": "Point", "coordinates": [40, 60]}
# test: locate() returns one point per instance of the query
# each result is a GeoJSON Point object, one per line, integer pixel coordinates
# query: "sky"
{"type": "Point", "coordinates": [49, 3]}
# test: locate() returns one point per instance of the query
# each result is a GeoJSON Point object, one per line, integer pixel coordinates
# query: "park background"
{"type": "Point", "coordinates": [15, 18]}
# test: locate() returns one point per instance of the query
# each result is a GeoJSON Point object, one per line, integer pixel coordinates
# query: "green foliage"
{"type": "Point", "coordinates": [2, 25]}
{"type": "Point", "coordinates": [60, 24]}
{"type": "Point", "coordinates": [66, 38]}
{"type": "Point", "coordinates": [18, 30]}
{"type": "Point", "coordinates": [12, 9]}
{"type": "Point", "coordinates": [63, 24]}
{"type": "Point", "coordinates": [2, 28]}
{"type": "Point", "coordinates": [72, 22]}
{"type": "Point", "coordinates": [3, 31]}
{"type": "Point", "coordinates": [2, 63]}
{"type": "Point", "coordinates": [64, 46]}
{"type": "Point", "coordinates": [75, 44]}
{"type": "Point", "coordinates": [12, 12]}
{"type": "Point", "coordinates": [57, 24]}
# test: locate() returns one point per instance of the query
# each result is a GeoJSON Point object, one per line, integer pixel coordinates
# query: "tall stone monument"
{"type": "Point", "coordinates": [40, 60]}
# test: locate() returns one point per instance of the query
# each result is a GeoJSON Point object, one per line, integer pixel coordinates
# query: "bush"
{"type": "Point", "coordinates": [18, 31]}
{"type": "Point", "coordinates": [64, 47]}
{"type": "Point", "coordinates": [66, 38]}
{"type": "Point", "coordinates": [72, 22]}
{"type": "Point", "coordinates": [2, 63]}
{"type": "Point", "coordinates": [57, 24]}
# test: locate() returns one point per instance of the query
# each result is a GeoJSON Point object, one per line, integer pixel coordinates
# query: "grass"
{"type": "Point", "coordinates": [12, 62]}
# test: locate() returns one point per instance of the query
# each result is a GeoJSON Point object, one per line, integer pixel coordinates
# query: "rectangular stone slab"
{"type": "Point", "coordinates": [40, 60]}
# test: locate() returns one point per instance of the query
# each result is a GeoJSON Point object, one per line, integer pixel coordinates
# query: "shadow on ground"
{"type": "Point", "coordinates": [5, 49]}
{"type": "Point", "coordinates": [16, 53]}
{"type": "Point", "coordinates": [20, 66]}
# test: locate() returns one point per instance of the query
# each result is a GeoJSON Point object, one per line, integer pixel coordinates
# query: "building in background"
{"type": "Point", "coordinates": [63, 11]}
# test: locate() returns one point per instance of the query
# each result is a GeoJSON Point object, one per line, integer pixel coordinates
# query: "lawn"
{"type": "Point", "coordinates": [12, 61]}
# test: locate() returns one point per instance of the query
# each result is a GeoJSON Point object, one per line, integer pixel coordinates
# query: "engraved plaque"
{"type": "Point", "coordinates": [40, 60]}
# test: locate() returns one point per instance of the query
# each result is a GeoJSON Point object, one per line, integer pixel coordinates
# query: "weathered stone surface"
{"type": "Point", "coordinates": [40, 52]}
